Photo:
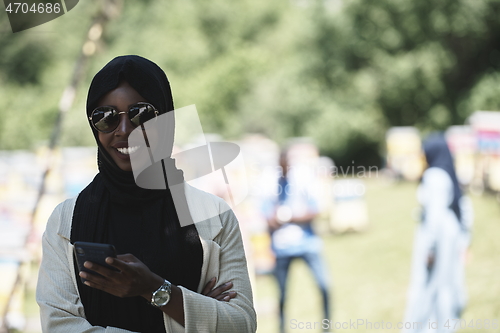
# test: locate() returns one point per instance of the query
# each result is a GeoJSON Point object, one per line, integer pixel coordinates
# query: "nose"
{"type": "Point", "coordinates": [125, 126]}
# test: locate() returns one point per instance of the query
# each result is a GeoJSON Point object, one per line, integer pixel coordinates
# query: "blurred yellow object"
{"type": "Point", "coordinates": [494, 174]}
{"type": "Point", "coordinates": [350, 212]}
{"type": "Point", "coordinates": [404, 152]}
{"type": "Point", "coordinates": [263, 257]}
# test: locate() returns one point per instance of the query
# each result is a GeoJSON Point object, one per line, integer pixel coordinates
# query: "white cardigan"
{"type": "Point", "coordinates": [62, 311]}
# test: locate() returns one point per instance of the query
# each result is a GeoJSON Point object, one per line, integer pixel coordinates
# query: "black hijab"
{"type": "Point", "coordinates": [113, 209]}
{"type": "Point", "coordinates": [438, 155]}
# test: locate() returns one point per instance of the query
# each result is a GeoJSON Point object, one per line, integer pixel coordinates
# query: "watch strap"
{"type": "Point", "coordinates": [166, 286]}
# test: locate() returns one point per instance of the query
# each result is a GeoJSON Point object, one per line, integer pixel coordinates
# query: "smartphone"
{"type": "Point", "coordinates": [93, 252]}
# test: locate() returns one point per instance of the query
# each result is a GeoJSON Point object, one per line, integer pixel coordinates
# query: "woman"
{"type": "Point", "coordinates": [158, 256]}
{"type": "Point", "coordinates": [437, 289]}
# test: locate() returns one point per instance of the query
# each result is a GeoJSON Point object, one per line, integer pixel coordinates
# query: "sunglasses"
{"type": "Point", "coordinates": [105, 119]}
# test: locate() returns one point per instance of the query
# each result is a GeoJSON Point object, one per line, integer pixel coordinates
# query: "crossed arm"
{"type": "Point", "coordinates": [134, 278]}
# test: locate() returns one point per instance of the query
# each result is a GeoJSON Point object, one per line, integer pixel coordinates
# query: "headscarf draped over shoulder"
{"type": "Point", "coordinates": [438, 155]}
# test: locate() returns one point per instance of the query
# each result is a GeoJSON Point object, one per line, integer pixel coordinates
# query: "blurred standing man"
{"type": "Point", "coordinates": [290, 214]}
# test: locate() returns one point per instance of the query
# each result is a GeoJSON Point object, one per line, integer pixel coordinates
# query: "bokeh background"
{"type": "Point", "coordinates": [351, 83]}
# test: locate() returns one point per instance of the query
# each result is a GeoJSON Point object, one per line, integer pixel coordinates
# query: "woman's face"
{"type": "Point", "coordinates": [116, 142]}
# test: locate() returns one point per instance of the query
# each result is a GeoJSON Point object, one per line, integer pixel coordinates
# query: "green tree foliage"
{"type": "Point", "coordinates": [35, 66]}
{"type": "Point", "coordinates": [428, 55]}
{"type": "Point", "coordinates": [23, 61]}
{"type": "Point", "coordinates": [340, 72]}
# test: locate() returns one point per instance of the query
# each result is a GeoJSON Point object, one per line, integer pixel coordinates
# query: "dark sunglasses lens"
{"type": "Point", "coordinates": [105, 119]}
{"type": "Point", "coordinates": [141, 113]}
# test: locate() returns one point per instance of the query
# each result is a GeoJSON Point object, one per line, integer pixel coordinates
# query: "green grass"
{"type": "Point", "coordinates": [370, 271]}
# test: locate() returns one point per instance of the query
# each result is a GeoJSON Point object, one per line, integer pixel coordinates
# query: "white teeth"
{"type": "Point", "coordinates": [128, 150]}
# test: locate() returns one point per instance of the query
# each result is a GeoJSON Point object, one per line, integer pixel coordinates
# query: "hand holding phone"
{"type": "Point", "coordinates": [93, 252]}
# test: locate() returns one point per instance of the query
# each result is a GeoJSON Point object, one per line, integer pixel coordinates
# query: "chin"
{"type": "Point", "coordinates": [124, 166]}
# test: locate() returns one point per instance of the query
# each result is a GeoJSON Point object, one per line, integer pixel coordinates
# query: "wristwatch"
{"type": "Point", "coordinates": [162, 295]}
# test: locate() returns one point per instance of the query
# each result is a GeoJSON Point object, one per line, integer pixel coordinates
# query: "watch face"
{"type": "Point", "coordinates": [162, 297]}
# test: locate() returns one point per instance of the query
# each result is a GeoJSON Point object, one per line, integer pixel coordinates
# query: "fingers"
{"type": "Point", "coordinates": [120, 263]}
{"type": "Point", "coordinates": [219, 293]}
{"type": "Point", "coordinates": [91, 280]}
{"type": "Point", "coordinates": [131, 277]}
{"type": "Point", "coordinates": [210, 284]}
{"type": "Point", "coordinates": [104, 271]}
{"type": "Point", "coordinates": [226, 297]}
{"type": "Point", "coordinates": [97, 282]}
{"type": "Point", "coordinates": [220, 289]}
{"type": "Point", "coordinates": [94, 281]}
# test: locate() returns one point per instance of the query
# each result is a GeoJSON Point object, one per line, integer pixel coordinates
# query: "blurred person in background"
{"type": "Point", "coordinates": [437, 292]}
{"type": "Point", "coordinates": [290, 214]}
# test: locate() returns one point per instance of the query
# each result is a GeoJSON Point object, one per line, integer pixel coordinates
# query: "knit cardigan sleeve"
{"type": "Point", "coordinates": [226, 261]}
{"type": "Point", "coordinates": [57, 293]}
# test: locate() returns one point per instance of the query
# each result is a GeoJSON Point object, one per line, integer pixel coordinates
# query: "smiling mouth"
{"type": "Point", "coordinates": [128, 150]}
